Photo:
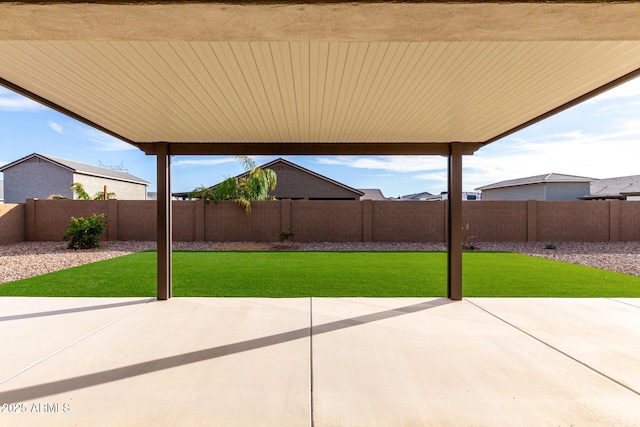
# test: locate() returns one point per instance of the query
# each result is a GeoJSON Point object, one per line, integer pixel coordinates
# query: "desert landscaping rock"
{"type": "Point", "coordinates": [28, 259]}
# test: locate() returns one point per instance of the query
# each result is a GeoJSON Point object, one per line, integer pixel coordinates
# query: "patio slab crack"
{"type": "Point", "coordinates": [586, 365]}
{"type": "Point", "coordinates": [73, 343]}
{"type": "Point", "coordinates": [625, 302]}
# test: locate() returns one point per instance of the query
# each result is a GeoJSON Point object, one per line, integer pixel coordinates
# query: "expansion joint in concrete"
{"type": "Point", "coordinates": [624, 302]}
{"type": "Point", "coordinates": [586, 365]}
{"type": "Point", "coordinates": [311, 361]}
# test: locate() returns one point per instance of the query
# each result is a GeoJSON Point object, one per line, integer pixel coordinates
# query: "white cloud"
{"type": "Point", "coordinates": [107, 142]}
{"type": "Point", "coordinates": [627, 90]}
{"type": "Point", "coordinates": [575, 153]}
{"type": "Point", "coordinates": [55, 126]}
{"type": "Point", "coordinates": [438, 178]}
{"type": "Point", "coordinates": [10, 101]}
{"type": "Point", "coordinates": [387, 163]}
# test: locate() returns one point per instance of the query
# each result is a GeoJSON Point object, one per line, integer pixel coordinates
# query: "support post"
{"type": "Point", "coordinates": [164, 221]}
{"type": "Point", "coordinates": [454, 226]}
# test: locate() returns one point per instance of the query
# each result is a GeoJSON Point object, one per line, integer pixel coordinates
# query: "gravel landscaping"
{"type": "Point", "coordinates": [27, 259]}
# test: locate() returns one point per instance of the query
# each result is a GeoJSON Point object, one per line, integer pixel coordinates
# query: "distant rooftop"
{"type": "Point", "coordinates": [416, 196]}
{"type": "Point", "coordinates": [372, 194]}
{"type": "Point", "coordinates": [82, 168]}
{"type": "Point", "coordinates": [357, 193]}
{"type": "Point", "coordinates": [615, 187]}
{"type": "Point", "coordinates": [537, 179]}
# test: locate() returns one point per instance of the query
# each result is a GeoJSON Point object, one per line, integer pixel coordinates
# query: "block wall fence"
{"type": "Point", "coordinates": [337, 221]}
{"type": "Point", "coordinates": [12, 223]}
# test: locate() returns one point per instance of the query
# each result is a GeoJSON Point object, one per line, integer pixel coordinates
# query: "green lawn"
{"type": "Point", "coordinates": [329, 274]}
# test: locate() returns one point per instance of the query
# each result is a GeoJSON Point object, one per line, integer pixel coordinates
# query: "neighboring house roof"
{"type": "Point", "coordinates": [416, 196]}
{"type": "Point", "coordinates": [310, 172]}
{"type": "Point", "coordinates": [357, 193]}
{"type": "Point", "coordinates": [372, 194]}
{"type": "Point", "coordinates": [615, 187]}
{"type": "Point", "coordinates": [537, 179]}
{"type": "Point", "coordinates": [81, 168]}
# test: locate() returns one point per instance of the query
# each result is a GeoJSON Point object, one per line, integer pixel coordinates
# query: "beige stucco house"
{"type": "Point", "coordinates": [551, 186]}
{"type": "Point", "coordinates": [38, 176]}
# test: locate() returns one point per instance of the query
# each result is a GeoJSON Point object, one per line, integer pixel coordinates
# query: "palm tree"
{"type": "Point", "coordinates": [81, 193]}
{"type": "Point", "coordinates": [255, 184]}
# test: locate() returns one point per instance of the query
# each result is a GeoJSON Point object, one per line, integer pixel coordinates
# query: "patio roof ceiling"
{"type": "Point", "coordinates": [319, 77]}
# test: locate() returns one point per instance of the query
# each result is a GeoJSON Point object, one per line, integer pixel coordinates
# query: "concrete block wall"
{"type": "Point", "coordinates": [495, 221]}
{"type": "Point", "coordinates": [12, 225]}
{"type": "Point", "coordinates": [409, 221]}
{"type": "Point", "coordinates": [573, 221]}
{"type": "Point", "coordinates": [326, 221]}
{"type": "Point", "coordinates": [137, 220]}
{"type": "Point", "coordinates": [338, 221]}
{"type": "Point", "coordinates": [47, 220]}
{"type": "Point", "coordinates": [184, 221]}
{"type": "Point", "coordinates": [227, 221]}
{"type": "Point", "coordinates": [629, 221]}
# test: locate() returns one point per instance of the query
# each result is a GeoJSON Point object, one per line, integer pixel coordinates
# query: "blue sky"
{"type": "Point", "coordinates": [599, 138]}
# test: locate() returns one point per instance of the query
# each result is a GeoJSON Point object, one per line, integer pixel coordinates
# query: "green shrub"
{"type": "Point", "coordinates": [286, 235]}
{"type": "Point", "coordinates": [84, 233]}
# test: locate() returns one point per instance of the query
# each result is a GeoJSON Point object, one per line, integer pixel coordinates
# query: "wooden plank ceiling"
{"type": "Point", "coordinates": [285, 90]}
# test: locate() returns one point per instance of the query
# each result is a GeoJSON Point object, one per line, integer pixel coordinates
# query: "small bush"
{"type": "Point", "coordinates": [550, 246]}
{"type": "Point", "coordinates": [84, 233]}
{"type": "Point", "coordinates": [286, 235]}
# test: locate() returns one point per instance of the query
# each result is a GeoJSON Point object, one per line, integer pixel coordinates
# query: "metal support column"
{"type": "Point", "coordinates": [454, 231]}
{"type": "Point", "coordinates": [164, 221]}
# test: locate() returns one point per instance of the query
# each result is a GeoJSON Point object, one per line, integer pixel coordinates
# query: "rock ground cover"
{"type": "Point", "coordinates": [28, 259]}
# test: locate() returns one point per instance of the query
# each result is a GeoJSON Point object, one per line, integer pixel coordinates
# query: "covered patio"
{"type": "Point", "coordinates": [369, 78]}
{"type": "Point", "coordinates": [372, 78]}
{"type": "Point", "coordinates": [320, 361]}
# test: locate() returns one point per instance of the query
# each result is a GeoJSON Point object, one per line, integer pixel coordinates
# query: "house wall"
{"type": "Point", "coordinates": [377, 221]}
{"type": "Point", "coordinates": [123, 190]}
{"type": "Point", "coordinates": [519, 192]}
{"type": "Point", "coordinates": [296, 184]}
{"type": "Point", "coordinates": [36, 178]}
{"type": "Point", "coordinates": [567, 190]}
{"type": "Point", "coordinates": [12, 225]}
{"type": "Point", "coordinates": [542, 191]}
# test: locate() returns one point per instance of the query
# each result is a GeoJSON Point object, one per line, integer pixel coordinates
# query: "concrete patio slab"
{"type": "Point", "coordinates": [195, 361]}
{"type": "Point", "coordinates": [417, 362]}
{"type": "Point", "coordinates": [49, 325]}
{"type": "Point", "coordinates": [320, 361]}
{"type": "Point", "coordinates": [602, 333]}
